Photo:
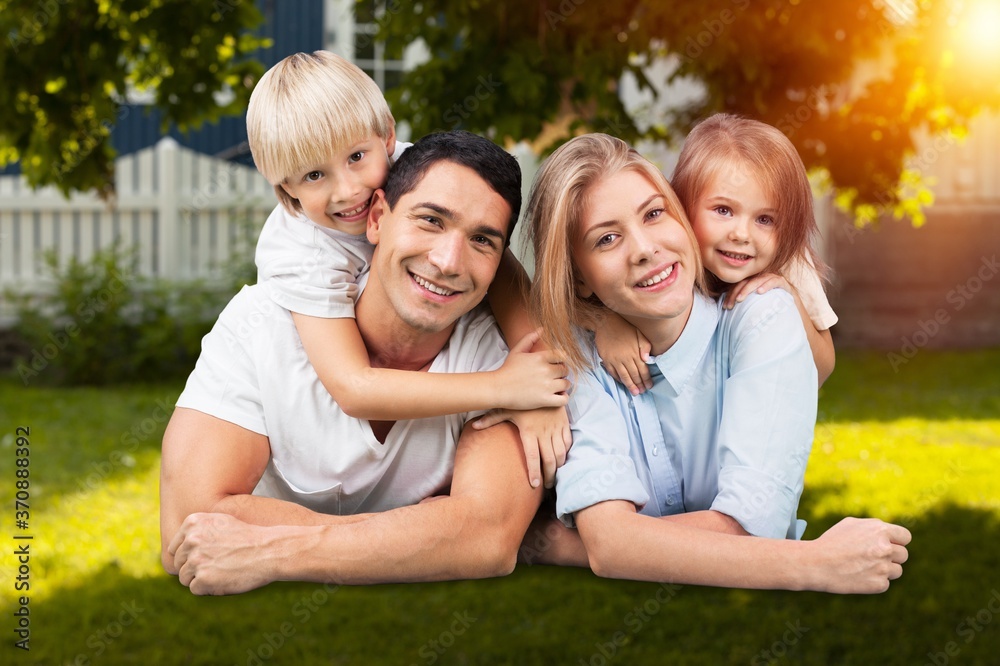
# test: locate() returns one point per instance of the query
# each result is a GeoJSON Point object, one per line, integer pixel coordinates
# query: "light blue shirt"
{"type": "Point", "coordinates": [728, 424]}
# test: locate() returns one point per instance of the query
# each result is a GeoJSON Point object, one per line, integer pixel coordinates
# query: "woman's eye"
{"type": "Point", "coordinates": [653, 214]}
{"type": "Point", "coordinates": [606, 240]}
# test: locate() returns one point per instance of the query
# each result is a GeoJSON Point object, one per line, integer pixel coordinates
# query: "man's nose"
{"type": "Point", "coordinates": [446, 255]}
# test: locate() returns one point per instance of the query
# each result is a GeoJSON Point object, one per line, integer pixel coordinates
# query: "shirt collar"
{"type": "Point", "coordinates": [679, 363]}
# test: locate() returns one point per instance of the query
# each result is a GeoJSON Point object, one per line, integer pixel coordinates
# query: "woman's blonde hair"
{"type": "Point", "coordinates": [306, 107]}
{"type": "Point", "coordinates": [557, 203]}
{"type": "Point", "coordinates": [724, 141]}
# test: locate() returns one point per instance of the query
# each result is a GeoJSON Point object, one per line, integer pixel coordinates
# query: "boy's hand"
{"type": "Point", "coordinates": [545, 436]}
{"type": "Point", "coordinates": [760, 283]}
{"type": "Point", "coordinates": [531, 380]}
{"type": "Point", "coordinates": [624, 350]}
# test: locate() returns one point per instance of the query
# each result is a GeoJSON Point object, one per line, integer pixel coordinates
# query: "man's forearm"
{"type": "Point", "coordinates": [268, 512]}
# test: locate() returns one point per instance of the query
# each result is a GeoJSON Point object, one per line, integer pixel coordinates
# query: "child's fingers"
{"type": "Point", "coordinates": [530, 444]}
{"type": "Point", "coordinates": [624, 376]}
{"type": "Point", "coordinates": [548, 456]}
{"type": "Point", "coordinates": [491, 418]}
{"type": "Point", "coordinates": [527, 342]}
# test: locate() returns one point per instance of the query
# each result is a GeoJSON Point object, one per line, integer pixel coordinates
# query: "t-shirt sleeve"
{"type": "Point", "coordinates": [308, 269]}
{"type": "Point", "coordinates": [598, 466]}
{"type": "Point", "coordinates": [224, 382]}
{"type": "Point", "coordinates": [768, 416]}
{"type": "Point", "coordinates": [805, 278]}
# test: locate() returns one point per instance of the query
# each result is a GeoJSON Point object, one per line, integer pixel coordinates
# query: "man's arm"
{"type": "Point", "coordinates": [472, 533]}
{"type": "Point", "coordinates": [213, 465]}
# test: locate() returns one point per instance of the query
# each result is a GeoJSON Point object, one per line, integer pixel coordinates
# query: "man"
{"type": "Point", "coordinates": [254, 417]}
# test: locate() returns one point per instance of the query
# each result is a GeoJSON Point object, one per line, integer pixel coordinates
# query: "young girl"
{"type": "Point", "coordinates": [745, 191]}
{"type": "Point", "coordinates": [320, 131]}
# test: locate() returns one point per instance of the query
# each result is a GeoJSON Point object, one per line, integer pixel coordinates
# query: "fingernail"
{"type": "Point", "coordinates": [534, 483]}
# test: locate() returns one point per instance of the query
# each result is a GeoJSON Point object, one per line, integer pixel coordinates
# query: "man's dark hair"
{"type": "Point", "coordinates": [494, 165]}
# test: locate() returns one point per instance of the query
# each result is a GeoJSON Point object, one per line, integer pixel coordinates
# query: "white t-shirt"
{"type": "Point", "coordinates": [312, 269]}
{"type": "Point", "coordinates": [803, 276]}
{"type": "Point", "coordinates": [253, 372]}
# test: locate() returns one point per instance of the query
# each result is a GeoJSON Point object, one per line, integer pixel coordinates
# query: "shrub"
{"type": "Point", "coordinates": [103, 323]}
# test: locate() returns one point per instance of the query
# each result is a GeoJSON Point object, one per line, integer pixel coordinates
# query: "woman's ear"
{"type": "Point", "coordinates": [582, 290]}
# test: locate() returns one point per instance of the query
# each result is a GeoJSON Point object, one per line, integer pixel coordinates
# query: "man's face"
{"type": "Point", "coordinates": [439, 247]}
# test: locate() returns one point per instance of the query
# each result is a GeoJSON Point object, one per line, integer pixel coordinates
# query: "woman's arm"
{"type": "Point", "coordinates": [855, 556]}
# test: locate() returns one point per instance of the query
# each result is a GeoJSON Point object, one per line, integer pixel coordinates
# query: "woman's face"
{"type": "Point", "coordinates": [635, 257]}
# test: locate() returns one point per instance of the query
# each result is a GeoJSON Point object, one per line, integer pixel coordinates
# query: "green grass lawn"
{"type": "Point", "coordinates": [919, 447]}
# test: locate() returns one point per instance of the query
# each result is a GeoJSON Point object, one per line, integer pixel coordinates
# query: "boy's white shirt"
{"type": "Point", "coordinates": [311, 269]}
{"type": "Point", "coordinates": [802, 275]}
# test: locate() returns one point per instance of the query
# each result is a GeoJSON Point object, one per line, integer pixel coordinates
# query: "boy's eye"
{"type": "Point", "coordinates": [356, 157]}
{"type": "Point", "coordinates": [312, 176]}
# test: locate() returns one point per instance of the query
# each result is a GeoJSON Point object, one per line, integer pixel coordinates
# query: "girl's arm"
{"type": "Point", "coordinates": [623, 351]}
{"type": "Point", "coordinates": [854, 556]}
{"type": "Point", "coordinates": [340, 358]}
{"type": "Point", "coordinates": [821, 342]}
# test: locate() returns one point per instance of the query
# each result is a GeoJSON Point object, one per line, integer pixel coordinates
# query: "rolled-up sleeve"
{"type": "Point", "coordinates": [768, 416]}
{"type": "Point", "coordinates": [598, 467]}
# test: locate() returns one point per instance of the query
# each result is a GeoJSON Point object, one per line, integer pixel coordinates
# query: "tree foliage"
{"type": "Point", "coordinates": [848, 82]}
{"type": "Point", "coordinates": [67, 67]}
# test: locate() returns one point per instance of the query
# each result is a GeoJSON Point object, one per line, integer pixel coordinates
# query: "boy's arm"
{"type": "Point", "coordinates": [340, 358]}
{"type": "Point", "coordinates": [472, 533]}
{"type": "Point", "coordinates": [508, 298]}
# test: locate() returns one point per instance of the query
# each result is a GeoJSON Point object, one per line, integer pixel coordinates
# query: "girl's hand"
{"type": "Point", "coordinates": [761, 283]}
{"type": "Point", "coordinates": [545, 436]}
{"type": "Point", "coordinates": [624, 350]}
{"type": "Point", "coordinates": [531, 380]}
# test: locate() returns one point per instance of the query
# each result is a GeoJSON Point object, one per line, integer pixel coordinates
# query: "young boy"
{"type": "Point", "coordinates": [321, 133]}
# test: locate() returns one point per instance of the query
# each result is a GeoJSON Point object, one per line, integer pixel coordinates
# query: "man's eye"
{"type": "Point", "coordinates": [483, 240]}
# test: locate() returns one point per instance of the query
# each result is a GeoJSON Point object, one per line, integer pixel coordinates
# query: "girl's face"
{"type": "Point", "coordinates": [635, 257]}
{"type": "Point", "coordinates": [734, 219]}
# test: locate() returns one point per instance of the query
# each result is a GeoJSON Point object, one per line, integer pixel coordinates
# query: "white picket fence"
{"type": "Point", "coordinates": [184, 212]}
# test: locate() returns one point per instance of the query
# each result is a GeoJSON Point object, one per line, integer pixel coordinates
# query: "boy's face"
{"type": "Point", "coordinates": [337, 194]}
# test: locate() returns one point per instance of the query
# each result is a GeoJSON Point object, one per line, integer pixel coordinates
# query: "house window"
{"type": "Point", "coordinates": [384, 65]}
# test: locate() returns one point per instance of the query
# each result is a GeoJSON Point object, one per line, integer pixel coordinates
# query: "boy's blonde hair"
{"type": "Point", "coordinates": [557, 204]}
{"type": "Point", "coordinates": [723, 141]}
{"type": "Point", "coordinates": [306, 107]}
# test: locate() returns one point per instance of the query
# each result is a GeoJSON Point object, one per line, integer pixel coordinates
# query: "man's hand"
{"type": "Point", "coordinates": [215, 553]}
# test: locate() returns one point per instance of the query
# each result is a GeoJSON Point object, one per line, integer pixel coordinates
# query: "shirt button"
{"type": "Point", "coordinates": [670, 500]}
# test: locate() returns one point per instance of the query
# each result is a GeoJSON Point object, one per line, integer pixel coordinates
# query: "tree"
{"type": "Point", "coordinates": [68, 66]}
{"type": "Point", "coordinates": [848, 82]}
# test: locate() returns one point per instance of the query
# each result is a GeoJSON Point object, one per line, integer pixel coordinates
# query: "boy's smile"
{"type": "Point", "coordinates": [337, 193]}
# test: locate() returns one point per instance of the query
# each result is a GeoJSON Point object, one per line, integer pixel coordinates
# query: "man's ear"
{"type": "Point", "coordinates": [378, 208]}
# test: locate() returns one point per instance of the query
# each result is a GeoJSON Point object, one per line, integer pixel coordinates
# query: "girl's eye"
{"type": "Point", "coordinates": [723, 210]}
{"type": "Point", "coordinates": [313, 176]}
{"type": "Point", "coordinates": [356, 157]}
{"type": "Point", "coordinates": [766, 220]}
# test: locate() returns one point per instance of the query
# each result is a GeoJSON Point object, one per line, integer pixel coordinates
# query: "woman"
{"type": "Point", "coordinates": [717, 449]}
